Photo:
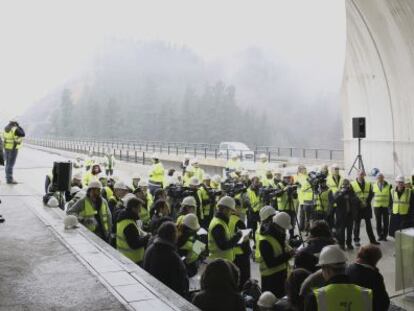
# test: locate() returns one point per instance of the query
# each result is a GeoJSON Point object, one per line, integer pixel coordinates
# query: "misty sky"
{"type": "Point", "coordinates": [44, 43]}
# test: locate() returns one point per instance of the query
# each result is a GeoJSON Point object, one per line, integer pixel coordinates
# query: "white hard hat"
{"type": "Point", "coordinates": [331, 255]}
{"type": "Point", "coordinates": [94, 184]}
{"type": "Point", "coordinates": [206, 177]}
{"type": "Point", "coordinates": [70, 222]}
{"type": "Point", "coordinates": [127, 197]}
{"type": "Point", "coordinates": [143, 183]}
{"type": "Point", "coordinates": [217, 179]}
{"type": "Point", "coordinates": [234, 155]}
{"type": "Point", "coordinates": [74, 190]}
{"type": "Point", "coordinates": [194, 181]}
{"type": "Point", "coordinates": [228, 202]}
{"type": "Point", "coordinates": [191, 221]}
{"type": "Point", "coordinates": [120, 185]}
{"type": "Point", "coordinates": [266, 212]}
{"type": "Point", "coordinates": [282, 219]}
{"type": "Point", "coordinates": [53, 202]}
{"type": "Point", "coordinates": [77, 176]}
{"type": "Point", "coordinates": [267, 300]}
{"type": "Point", "coordinates": [335, 166]}
{"type": "Point", "coordinates": [262, 156]}
{"type": "Point", "coordinates": [154, 156]}
{"type": "Point", "coordinates": [399, 178]}
{"type": "Point", "coordinates": [189, 201]}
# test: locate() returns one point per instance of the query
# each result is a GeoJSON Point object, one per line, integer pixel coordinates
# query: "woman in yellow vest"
{"type": "Point", "coordinates": [187, 235]}
{"type": "Point", "coordinates": [93, 212]}
{"type": "Point", "coordinates": [130, 240]}
{"type": "Point", "coordinates": [274, 254]}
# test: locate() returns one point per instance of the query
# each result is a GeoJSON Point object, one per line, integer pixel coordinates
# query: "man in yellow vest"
{"type": "Point", "coordinates": [12, 139]}
{"type": "Point", "coordinates": [381, 204]}
{"type": "Point", "coordinates": [252, 201]}
{"type": "Point", "coordinates": [130, 240]}
{"type": "Point", "coordinates": [305, 197]}
{"type": "Point", "coordinates": [93, 212]}
{"type": "Point", "coordinates": [339, 293]}
{"type": "Point", "coordinates": [274, 252]}
{"type": "Point", "coordinates": [155, 174]}
{"type": "Point", "coordinates": [363, 190]}
{"type": "Point", "coordinates": [402, 211]}
{"type": "Point", "coordinates": [221, 242]}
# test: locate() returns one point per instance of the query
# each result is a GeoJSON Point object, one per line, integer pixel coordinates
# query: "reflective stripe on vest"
{"type": "Point", "coordinates": [232, 228]}
{"type": "Point", "coordinates": [362, 194]}
{"type": "Point", "coordinates": [215, 252]}
{"type": "Point", "coordinates": [343, 297]}
{"type": "Point", "coordinates": [401, 205]}
{"type": "Point", "coordinates": [254, 199]}
{"type": "Point", "coordinates": [136, 255]}
{"type": "Point", "coordinates": [277, 251]}
{"type": "Point", "coordinates": [381, 197]}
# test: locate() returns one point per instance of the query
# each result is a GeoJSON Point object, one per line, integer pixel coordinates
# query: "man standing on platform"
{"type": "Point", "coordinates": [13, 137]}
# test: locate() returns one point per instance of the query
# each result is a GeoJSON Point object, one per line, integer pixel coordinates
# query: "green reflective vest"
{"type": "Point", "coordinates": [268, 183]}
{"type": "Point", "coordinates": [283, 204]}
{"type": "Point", "coordinates": [11, 141]}
{"type": "Point", "coordinates": [136, 255]}
{"type": "Point", "coordinates": [191, 256]}
{"type": "Point", "coordinates": [381, 197]}
{"type": "Point", "coordinates": [322, 201]}
{"type": "Point", "coordinates": [332, 184]}
{"type": "Point", "coordinates": [216, 252]}
{"type": "Point", "coordinates": [87, 216]}
{"type": "Point", "coordinates": [401, 205]}
{"type": "Point", "coordinates": [254, 199]}
{"type": "Point", "coordinates": [144, 214]}
{"type": "Point", "coordinates": [347, 297]}
{"type": "Point", "coordinates": [362, 194]}
{"type": "Point", "coordinates": [232, 228]}
{"type": "Point", "coordinates": [277, 251]}
{"type": "Point", "coordinates": [233, 165]}
{"type": "Point", "coordinates": [205, 201]}
{"type": "Point", "coordinates": [156, 173]}
{"type": "Point", "coordinates": [305, 193]}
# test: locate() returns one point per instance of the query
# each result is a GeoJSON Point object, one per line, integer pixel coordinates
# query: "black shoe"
{"type": "Point", "coordinates": [375, 242]}
{"type": "Point", "coordinates": [357, 243]}
{"type": "Point", "coordinates": [349, 246]}
{"type": "Point", "coordinates": [382, 239]}
{"type": "Point", "coordinates": [12, 182]}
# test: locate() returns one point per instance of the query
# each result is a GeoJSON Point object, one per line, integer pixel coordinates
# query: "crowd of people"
{"type": "Point", "coordinates": [296, 227]}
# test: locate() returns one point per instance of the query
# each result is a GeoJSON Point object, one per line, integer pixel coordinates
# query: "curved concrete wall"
{"type": "Point", "coordinates": [379, 83]}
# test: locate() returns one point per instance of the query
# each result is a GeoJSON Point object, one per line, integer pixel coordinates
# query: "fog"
{"type": "Point", "coordinates": [265, 73]}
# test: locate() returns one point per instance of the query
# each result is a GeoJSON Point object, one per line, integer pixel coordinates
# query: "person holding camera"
{"type": "Point", "coordinates": [347, 205]}
{"type": "Point", "coordinates": [13, 137]}
{"type": "Point", "coordinates": [287, 201]}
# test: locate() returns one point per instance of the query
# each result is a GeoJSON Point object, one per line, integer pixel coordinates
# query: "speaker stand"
{"type": "Point", "coordinates": [358, 163]}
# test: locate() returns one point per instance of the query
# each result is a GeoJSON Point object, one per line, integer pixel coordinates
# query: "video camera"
{"type": "Point", "coordinates": [316, 179]}
{"type": "Point", "coordinates": [232, 189]}
{"type": "Point", "coordinates": [267, 194]}
{"type": "Point", "coordinates": [179, 192]}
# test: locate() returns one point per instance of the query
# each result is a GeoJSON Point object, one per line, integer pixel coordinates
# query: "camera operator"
{"type": "Point", "coordinates": [347, 205]}
{"type": "Point", "coordinates": [13, 136]}
{"type": "Point", "coordinates": [324, 202]}
{"type": "Point", "coordinates": [208, 201]}
{"type": "Point", "coordinates": [287, 201]}
{"type": "Point", "coordinates": [305, 197]}
{"type": "Point", "coordinates": [253, 204]}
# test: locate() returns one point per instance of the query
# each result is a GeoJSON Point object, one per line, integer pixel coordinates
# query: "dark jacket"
{"type": "Point", "coordinates": [162, 261]}
{"type": "Point", "coordinates": [220, 235]}
{"type": "Point", "coordinates": [219, 289]}
{"type": "Point", "coordinates": [266, 249]}
{"type": "Point", "coordinates": [315, 245]}
{"type": "Point", "coordinates": [131, 233]}
{"type": "Point", "coordinates": [347, 205]}
{"type": "Point", "coordinates": [370, 277]}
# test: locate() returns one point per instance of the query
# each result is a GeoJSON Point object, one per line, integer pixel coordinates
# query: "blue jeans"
{"type": "Point", "coordinates": [10, 157]}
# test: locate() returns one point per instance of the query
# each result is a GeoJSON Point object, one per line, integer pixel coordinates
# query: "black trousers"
{"type": "Point", "coordinates": [243, 263]}
{"type": "Point", "coordinates": [275, 283]}
{"type": "Point", "coordinates": [382, 217]}
{"type": "Point", "coordinates": [344, 227]}
{"type": "Point", "coordinates": [368, 227]}
{"type": "Point", "coordinates": [305, 215]}
{"type": "Point", "coordinates": [252, 219]}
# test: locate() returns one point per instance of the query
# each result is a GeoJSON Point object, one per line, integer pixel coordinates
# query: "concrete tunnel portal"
{"type": "Point", "coordinates": [378, 83]}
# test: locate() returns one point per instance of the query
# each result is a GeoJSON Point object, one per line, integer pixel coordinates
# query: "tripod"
{"type": "Point", "coordinates": [291, 207]}
{"type": "Point", "coordinates": [358, 160]}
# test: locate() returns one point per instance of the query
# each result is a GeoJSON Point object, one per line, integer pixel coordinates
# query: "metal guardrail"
{"type": "Point", "coordinates": [137, 151]}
